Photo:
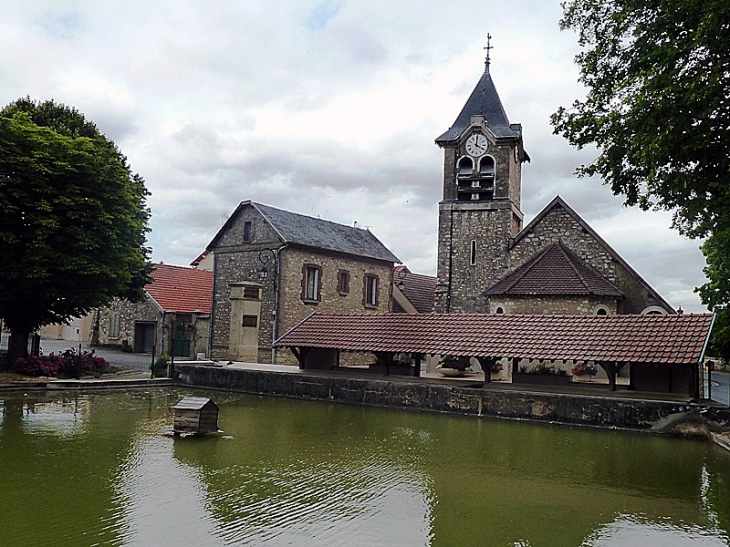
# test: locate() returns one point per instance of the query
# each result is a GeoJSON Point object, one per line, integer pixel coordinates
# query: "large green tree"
{"type": "Point", "coordinates": [73, 219]}
{"type": "Point", "coordinates": [657, 74]}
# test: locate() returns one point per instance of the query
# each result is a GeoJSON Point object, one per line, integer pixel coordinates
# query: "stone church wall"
{"type": "Point", "coordinates": [568, 305]}
{"type": "Point", "coordinates": [559, 225]}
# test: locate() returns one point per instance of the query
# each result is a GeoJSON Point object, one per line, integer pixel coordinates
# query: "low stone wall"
{"type": "Point", "coordinates": [437, 397]}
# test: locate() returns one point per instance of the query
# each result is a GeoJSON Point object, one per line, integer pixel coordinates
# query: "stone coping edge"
{"type": "Point", "coordinates": [446, 398]}
{"type": "Point", "coordinates": [59, 385]}
{"type": "Point", "coordinates": [721, 440]}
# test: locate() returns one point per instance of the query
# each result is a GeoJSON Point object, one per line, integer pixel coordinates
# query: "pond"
{"type": "Point", "coordinates": [102, 469]}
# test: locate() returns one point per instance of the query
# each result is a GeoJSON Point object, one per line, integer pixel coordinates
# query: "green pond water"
{"type": "Point", "coordinates": [102, 469]}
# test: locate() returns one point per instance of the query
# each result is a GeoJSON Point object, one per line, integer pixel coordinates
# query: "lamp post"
{"type": "Point", "coordinates": [271, 256]}
{"type": "Point", "coordinates": [402, 273]}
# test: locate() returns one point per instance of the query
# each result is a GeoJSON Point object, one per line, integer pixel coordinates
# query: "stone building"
{"type": "Point", "coordinates": [273, 268]}
{"type": "Point", "coordinates": [173, 319]}
{"type": "Point", "coordinates": [488, 262]}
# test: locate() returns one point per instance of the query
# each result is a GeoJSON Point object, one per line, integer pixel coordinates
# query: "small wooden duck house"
{"type": "Point", "coordinates": [195, 415]}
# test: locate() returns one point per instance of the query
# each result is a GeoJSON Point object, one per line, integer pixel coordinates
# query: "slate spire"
{"type": "Point", "coordinates": [484, 101]}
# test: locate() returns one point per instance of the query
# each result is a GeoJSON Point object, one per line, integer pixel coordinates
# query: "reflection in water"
{"type": "Point", "coordinates": [162, 502]}
{"type": "Point", "coordinates": [58, 417]}
{"type": "Point", "coordinates": [633, 530]}
{"type": "Point", "coordinates": [303, 473]}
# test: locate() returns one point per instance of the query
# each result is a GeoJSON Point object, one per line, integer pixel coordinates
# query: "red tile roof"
{"type": "Point", "coordinates": [675, 339]}
{"type": "Point", "coordinates": [556, 270]}
{"type": "Point", "coordinates": [184, 290]}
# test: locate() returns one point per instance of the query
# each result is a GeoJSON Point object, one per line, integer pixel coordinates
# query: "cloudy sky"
{"type": "Point", "coordinates": [328, 108]}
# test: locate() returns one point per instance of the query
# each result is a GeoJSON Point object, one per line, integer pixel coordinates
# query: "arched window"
{"type": "Point", "coordinates": [601, 311]}
{"type": "Point", "coordinates": [486, 168]}
{"type": "Point", "coordinates": [465, 168]}
{"type": "Point", "coordinates": [653, 310]}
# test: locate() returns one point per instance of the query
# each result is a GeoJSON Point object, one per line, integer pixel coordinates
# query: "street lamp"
{"type": "Point", "coordinates": [267, 255]}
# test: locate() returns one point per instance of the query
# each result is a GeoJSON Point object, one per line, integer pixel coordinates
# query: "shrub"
{"type": "Point", "coordinates": [64, 364]}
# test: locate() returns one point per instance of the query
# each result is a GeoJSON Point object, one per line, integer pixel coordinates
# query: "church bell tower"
{"type": "Point", "coordinates": [480, 210]}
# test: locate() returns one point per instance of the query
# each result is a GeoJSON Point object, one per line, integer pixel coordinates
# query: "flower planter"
{"type": "Point", "coordinates": [540, 379]}
{"type": "Point", "coordinates": [452, 372]}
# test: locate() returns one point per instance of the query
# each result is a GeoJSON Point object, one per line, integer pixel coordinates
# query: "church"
{"type": "Point", "coordinates": [489, 262]}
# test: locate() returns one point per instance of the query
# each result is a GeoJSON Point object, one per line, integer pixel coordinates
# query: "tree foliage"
{"type": "Point", "coordinates": [716, 292]}
{"type": "Point", "coordinates": [658, 103]}
{"type": "Point", "coordinates": [657, 74]}
{"type": "Point", "coordinates": [74, 218]}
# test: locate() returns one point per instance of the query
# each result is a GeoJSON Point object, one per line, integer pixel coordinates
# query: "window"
{"type": "Point", "coordinates": [250, 321]}
{"type": "Point", "coordinates": [370, 291]}
{"type": "Point", "coordinates": [251, 292]}
{"type": "Point", "coordinates": [499, 309]}
{"type": "Point", "coordinates": [343, 282]}
{"type": "Point", "coordinates": [473, 253]}
{"type": "Point", "coordinates": [114, 325]}
{"type": "Point", "coordinates": [486, 169]}
{"type": "Point", "coordinates": [466, 168]}
{"type": "Point", "coordinates": [247, 231]}
{"type": "Point", "coordinates": [311, 282]}
{"type": "Point", "coordinates": [602, 310]}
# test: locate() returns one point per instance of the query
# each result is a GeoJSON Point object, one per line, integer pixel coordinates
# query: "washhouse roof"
{"type": "Point", "coordinates": [660, 339]}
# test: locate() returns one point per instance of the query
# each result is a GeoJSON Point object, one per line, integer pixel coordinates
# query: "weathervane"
{"type": "Point", "coordinates": [488, 47]}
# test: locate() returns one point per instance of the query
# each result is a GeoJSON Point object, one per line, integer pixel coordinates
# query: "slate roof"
{"type": "Point", "coordinates": [184, 290]}
{"type": "Point", "coordinates": [560, 202]}
{"type": "Point", "coordinates": [483, 101]}
{"type": "Point", "coordinates": [417, 288]}
{"type": "Point", "coordinates": [301, 230]}
{"type": "Point", "coordinates": [660, 339]}
{"type": "Point", "coordinates": [556, 270]}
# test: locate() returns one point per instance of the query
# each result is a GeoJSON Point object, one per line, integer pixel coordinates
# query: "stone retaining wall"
{"type": "Point", "coordinates": [438, 397]}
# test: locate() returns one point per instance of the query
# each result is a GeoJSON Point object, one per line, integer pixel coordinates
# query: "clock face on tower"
{"type": "Point", "coordinates": [476, 144]}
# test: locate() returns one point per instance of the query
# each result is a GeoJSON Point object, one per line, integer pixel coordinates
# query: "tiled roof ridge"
{"type": "Point", "coordinates": [188, 268]}
{"type": "Point", "coordinates": [570, 257]}
{"type": "Point", "coordinates": [529, 265]}
{"type": "Point", "coordinates": [568, 252]}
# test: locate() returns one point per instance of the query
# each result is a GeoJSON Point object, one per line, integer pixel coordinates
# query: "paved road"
{"type": "Point", "coordinates": [138, 361]}
{"type": "Point", "coordinates": [720, 387]}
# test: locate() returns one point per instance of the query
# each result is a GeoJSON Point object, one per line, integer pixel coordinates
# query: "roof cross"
{"type": "Point", "coordinates": [488, 47]}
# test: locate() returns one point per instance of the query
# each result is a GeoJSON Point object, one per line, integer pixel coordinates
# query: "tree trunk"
{"type": "Point", "coordinates": [17, 347]}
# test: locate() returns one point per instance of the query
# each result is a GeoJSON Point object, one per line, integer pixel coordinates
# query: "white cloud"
{"type": "Point", "coordinates": [322, 107]}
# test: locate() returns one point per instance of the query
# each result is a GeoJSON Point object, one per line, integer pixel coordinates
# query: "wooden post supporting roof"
{"type": "Point", "coordinates": [300, 354]}
{"type": "Point", "coordinates": [385, 359]}
{"type": "Point", "coordinates": [612, 368]}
